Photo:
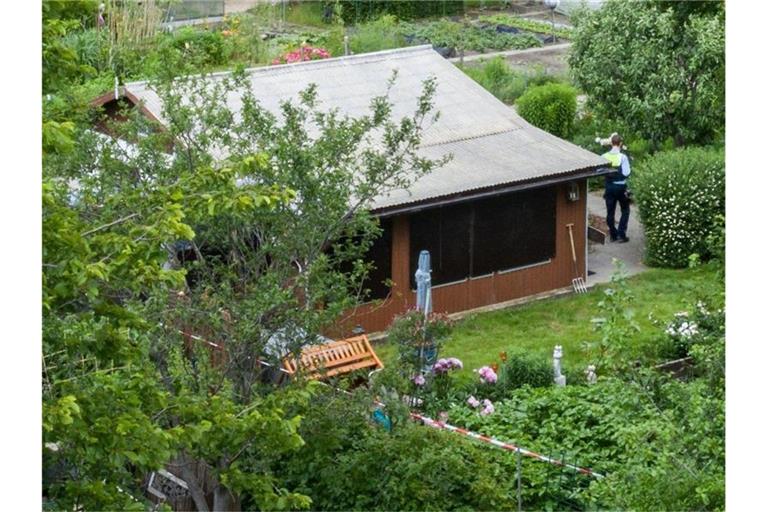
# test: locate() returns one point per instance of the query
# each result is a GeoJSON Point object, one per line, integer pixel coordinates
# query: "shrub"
{"type": "Point", "coordinates": [200, 47]}
{"type": "Point", "coordinates": [551, 107]}
{"type": "Point", "coordinates": [348, 463]}
{"type": "Point", "coordinates": [380, 34]}
{"type": "Point", "coordinates": [498, 78]}
{"type": "Point", "coordinates": [679, 193]}
{"type": "Point", "coordinates": [522, 369]}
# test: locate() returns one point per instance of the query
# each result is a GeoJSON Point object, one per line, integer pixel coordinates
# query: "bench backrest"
{"type": "Point", "coordinates": [334, 358]}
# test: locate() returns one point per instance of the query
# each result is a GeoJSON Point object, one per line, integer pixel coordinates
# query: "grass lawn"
{"type": "Point", "coordinates": [539, 326]}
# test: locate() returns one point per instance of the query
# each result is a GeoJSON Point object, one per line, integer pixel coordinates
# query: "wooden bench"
{"type": "Point", "coordinates": [334, 358]}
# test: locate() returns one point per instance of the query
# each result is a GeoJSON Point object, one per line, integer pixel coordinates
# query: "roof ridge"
{"type": "Point", "coordinates": [331, 62]}
{"type": "Point", "coordinates": [471, 137]}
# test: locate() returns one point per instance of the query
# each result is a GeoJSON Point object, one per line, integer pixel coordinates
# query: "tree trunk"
{"type": "Point", "coordinates": [222, 499]}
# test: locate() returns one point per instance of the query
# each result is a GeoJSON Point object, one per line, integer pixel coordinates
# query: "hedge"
{"type": "Point", "coordinates": [680, 194]}
{"type": "Point", "coordinates": [551, 107]}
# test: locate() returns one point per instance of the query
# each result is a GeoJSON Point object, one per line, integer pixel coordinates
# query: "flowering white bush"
{"type": "Point", "coordinates": [679, 194]}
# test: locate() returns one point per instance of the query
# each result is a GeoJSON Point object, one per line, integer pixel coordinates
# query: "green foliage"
{"type": "Point", "coordinates": [660, 443]}
{"type": "Point", "coordinates": [202, 47]}
{"type": "Point", "coordinates": [551, 107]}
{"type": "Point", "coordinates": [123, 392]}
{"type": "Point", "coordinates": [703, 325]}
{"type": "Point", "coordinates": [539, 27]}
{"type": "Point", "coordinates": [348, 463]}
{"type": "Point", "coordinates": [379, 34]}
{"type": "Point", "coordinates": [411, 332]}
{"type": "Point", "coordinates": [523, 369]}
{"type": "Point", "coordinates": [616, 325]}
{"type": "Point", "coordinates": [451, 34]}
{"type": "Point", "coordinates": [498, 78]}
{"type": "Point", "coordinates": [658, 70]}
{"type": "Point", "coordinates": [359, 11]}
{"type": "Point", "coordinates": [679, 193]}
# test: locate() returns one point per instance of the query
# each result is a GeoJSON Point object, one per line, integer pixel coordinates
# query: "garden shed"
{"type": "Point", "coordinates": [494, 218]}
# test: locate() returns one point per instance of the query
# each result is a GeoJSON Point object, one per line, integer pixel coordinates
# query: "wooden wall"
{"type": "Point", "coordinates": [482, 291]}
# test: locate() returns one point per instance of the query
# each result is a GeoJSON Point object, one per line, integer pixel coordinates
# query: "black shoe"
{"type": "Point", "coordinates": [623, 240]}
{"type": "Point", "coordinates": [613, 239]}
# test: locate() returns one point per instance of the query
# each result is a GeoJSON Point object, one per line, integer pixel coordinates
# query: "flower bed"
{"type": "Point", "coordinates": [302, 54]}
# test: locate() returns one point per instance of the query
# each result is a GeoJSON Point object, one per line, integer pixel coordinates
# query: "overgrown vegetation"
{"type": "Point", "coordinates": [540, 27]}
{"type": "Point", "coordinates": [124, 393]}
{"type": "Point", "coordinates": [498, 78]}
{"type": "Point", "coordinates": [680, 194]}
{"type": "Point", "coordinates": [656, 67]}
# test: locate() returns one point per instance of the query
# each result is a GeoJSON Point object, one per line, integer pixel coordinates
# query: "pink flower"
{"type": "Point", "coordinates": [301, 54]}
{"type": "Point", "coordinates": [487, 408]}
{"type": "Point", "coordinates": [473, 402]}
{"type": "Point", "coordinates": [443, 416]}
{"type": "Point", "coordinates": [445, 365]}
{"type": "Point", "coordinates": [419, 380]}
{"type": "Point", "coordinates": [487, 375]}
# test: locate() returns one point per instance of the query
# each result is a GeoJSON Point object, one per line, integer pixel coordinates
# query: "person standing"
{"type": "Point", "coordinates": [616, 190]}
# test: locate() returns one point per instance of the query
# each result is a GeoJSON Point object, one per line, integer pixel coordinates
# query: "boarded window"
{"type": "Point", "coordinates": [444, 232]}
{"type": "Point", "coordinates": [513, 230]}
{"type": "Point", "coordinates": [380, 254]}
{"type": "Point", "coordinates": [480, 237]}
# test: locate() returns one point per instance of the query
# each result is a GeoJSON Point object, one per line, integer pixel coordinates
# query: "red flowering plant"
{"type": "Point", "coordinates": [302, 54]}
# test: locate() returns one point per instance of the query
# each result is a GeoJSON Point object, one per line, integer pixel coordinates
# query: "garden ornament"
{"type": "Point", "coordinates": [556, 357]}
{"type": "Point", "coordinates": [591, 375]}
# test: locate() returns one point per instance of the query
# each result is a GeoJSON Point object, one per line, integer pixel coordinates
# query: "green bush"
{"type": "Point", "coordinates": [551, 107]}
{"type": "Point", "coordinates": [380, 34]}
{"type": "Point", "coordinates": [679, 193]}
{"type": "Point", "coordinates": [523, 369]}
{"type": "Point", "coordinates": [350, 463]}
{"type": "Point", "coordinates": [202, 47]}
{"type": "Point", "coordinates": [498, 78]}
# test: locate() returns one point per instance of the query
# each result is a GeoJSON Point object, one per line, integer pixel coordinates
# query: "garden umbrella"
{"type": "Point", "coordinates": [424, 284]}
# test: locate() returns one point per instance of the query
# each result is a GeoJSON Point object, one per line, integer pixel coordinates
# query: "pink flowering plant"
{"type": "Point", "coordinates": [302, 54]}
{"type": "Point", "coordinates": [487, 375]}
{"type": "Point", "coordinates": [441, 375]}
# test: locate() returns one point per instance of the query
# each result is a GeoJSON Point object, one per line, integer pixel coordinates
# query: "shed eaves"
{"type": "Point", "coordinates": [491, 145]}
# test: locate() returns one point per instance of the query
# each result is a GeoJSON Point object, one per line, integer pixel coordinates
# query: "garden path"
{"type": "Point", "coordinates": [558, 49]}
{"type": "Point", "coordinates": [601, 257]}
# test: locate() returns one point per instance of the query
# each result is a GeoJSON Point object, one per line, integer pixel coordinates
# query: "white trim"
{"type": "Point", "coordinates": [466, 279]}
{"type": "Point", "coordinates": [515, 269]}
{"type": "Point", "coordinates": [472, 278]}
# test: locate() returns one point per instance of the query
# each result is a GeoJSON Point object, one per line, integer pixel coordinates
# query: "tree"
{"type": "Point", "coordinates": [274, 207]}
{"type": "Point", "coordinates": [655, 68]}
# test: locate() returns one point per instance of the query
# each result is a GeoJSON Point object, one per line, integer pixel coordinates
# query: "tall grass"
{"type": "Point", "coordinates": [379, 34]}
{"type": "Point", "coordinates": [507, 84]}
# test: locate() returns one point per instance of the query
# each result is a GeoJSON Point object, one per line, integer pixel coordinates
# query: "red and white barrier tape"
{"type": "Point", "coordinates": [445, 426]}
{"type": "Point", "coordinates": [506, 446]}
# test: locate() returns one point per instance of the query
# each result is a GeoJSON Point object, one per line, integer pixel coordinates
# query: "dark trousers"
{"type": "Point", "coordinates": [614, 194]}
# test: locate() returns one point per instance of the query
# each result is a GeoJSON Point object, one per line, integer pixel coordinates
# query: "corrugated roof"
{"type": "Point", "coordinates": [490, 143]}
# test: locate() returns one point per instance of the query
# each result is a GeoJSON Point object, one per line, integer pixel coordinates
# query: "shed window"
{"type": "Point", "coordinates": [380, 254]}
{"type": "Point", "coordinates": [480, 237]}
